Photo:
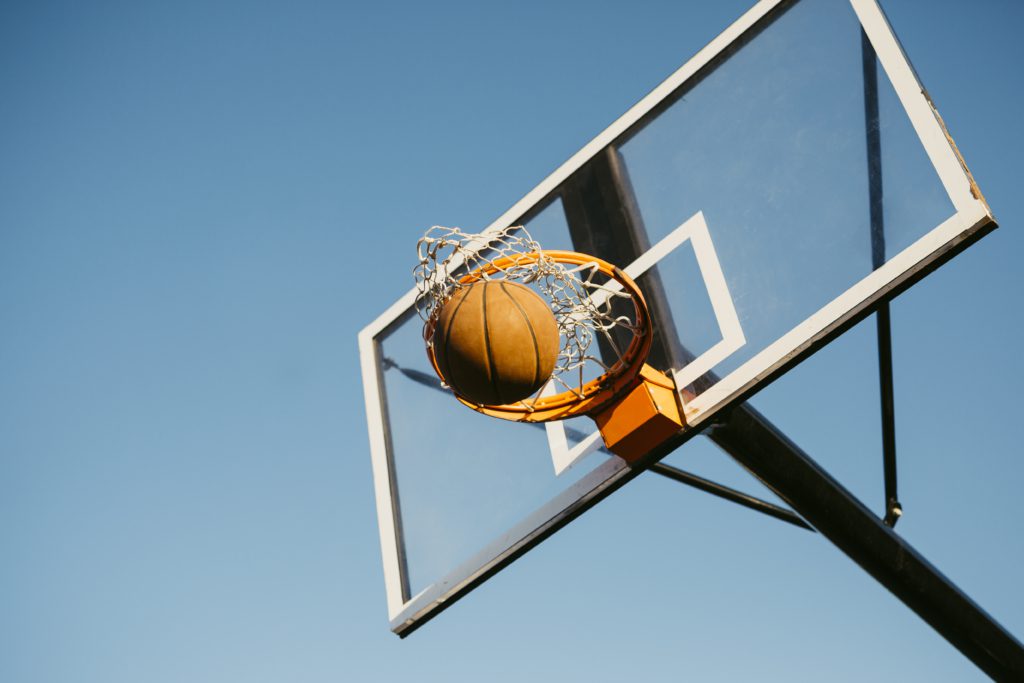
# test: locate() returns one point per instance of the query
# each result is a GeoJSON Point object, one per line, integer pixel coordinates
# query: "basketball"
{"type": "Point", "coordinates": [495, 342]}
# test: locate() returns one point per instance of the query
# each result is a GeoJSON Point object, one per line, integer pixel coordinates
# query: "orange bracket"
{"type": "Point", "coordinates": [644, 418]}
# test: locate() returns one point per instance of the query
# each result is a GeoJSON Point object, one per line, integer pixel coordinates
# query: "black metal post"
{"type": "Point", "coordinates": [839, 516]}
{"type": "Point", "coordinates": [893, 509]}
{"type": "Point", "coordinates": [738, 497]}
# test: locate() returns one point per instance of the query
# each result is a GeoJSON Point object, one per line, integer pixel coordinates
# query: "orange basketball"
{"type": "Point", "coordinates": [495, 342]}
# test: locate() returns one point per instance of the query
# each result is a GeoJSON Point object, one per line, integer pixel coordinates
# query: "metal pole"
{"type": "Point", "coordinates": [784, 468]}
{"type": "Point", "coordinates": [738, 497]}
{"type": "Point", "coordinates": [893, 509]}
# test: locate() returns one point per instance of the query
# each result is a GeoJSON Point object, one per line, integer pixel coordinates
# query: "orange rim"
{"type": "Point", "coordinates": [591, 396]}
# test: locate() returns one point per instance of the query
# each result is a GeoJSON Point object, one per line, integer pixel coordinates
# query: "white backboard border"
{"type": "Point", "coordinates": [972, 219]}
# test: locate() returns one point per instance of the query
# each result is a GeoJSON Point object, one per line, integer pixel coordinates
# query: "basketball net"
{"type": "Point", "coordinates": [582, 298]}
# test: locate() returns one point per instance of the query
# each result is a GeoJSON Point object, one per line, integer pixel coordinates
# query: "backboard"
{"type": "Point", "coordinates": [784, 181]}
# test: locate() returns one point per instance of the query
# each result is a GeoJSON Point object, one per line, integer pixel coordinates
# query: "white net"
{"type": "Point", "coordinates": [587, 304]}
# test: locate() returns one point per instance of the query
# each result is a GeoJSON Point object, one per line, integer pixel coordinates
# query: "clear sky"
{"type": "Point", "coordinates": [200, 206]}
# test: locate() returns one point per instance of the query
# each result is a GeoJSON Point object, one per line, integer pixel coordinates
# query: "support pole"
{"type": "Point", "coordinates": [784, 468]}
{"type": "Point", "coordinates": [732, 495]}
{"type": "Point", "coordinates": [893, 509]}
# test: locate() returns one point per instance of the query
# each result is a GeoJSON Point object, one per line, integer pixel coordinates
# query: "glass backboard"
{"type": "Point", "coordinates": [786, 179]}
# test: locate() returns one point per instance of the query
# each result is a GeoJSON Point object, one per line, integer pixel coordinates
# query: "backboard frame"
{"type": "Point", "coordinates": [972, 218]}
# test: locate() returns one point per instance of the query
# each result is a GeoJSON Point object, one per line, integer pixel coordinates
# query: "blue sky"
{"type": "Point", "coordinates": [200, 206]}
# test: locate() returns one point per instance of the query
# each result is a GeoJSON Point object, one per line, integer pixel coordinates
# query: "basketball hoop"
{"type": "Point", "coordinates": [634, 405]}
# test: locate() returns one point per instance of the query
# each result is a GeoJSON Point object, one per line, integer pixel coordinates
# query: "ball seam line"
{"type": "Point", "coordinates": [491, 370]}
{"type": "Point", "coordinates": [447, 370]}
{"type": "Point", "coordinates": [533, 335]}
